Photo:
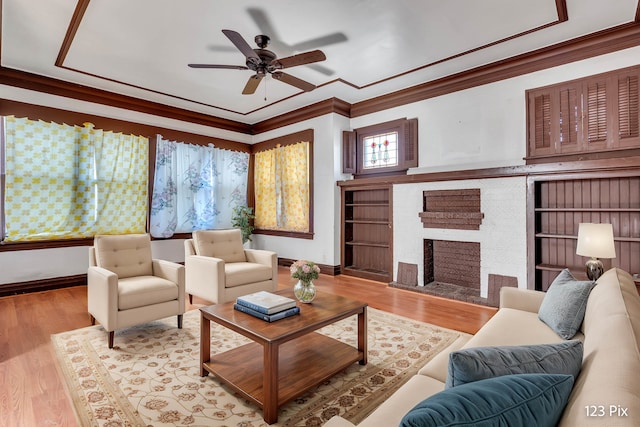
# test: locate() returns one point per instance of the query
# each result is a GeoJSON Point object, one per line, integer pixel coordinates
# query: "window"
{"type": "Point", "coordinates": [64, 182]}
{"type": "Point", "coordinates": [390, 147]}
{"type": "Point", "coordinates": [196, 187]}
{"type": "Point", "coordinates": [380, 151]}
{"type": "Point", "coordinates": [595, 114]}
{"type": "Point", "coordinates": [282, 185]}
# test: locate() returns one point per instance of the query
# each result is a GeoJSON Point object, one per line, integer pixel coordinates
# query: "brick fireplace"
{"type": "Point", "coordinates": [490, 214]}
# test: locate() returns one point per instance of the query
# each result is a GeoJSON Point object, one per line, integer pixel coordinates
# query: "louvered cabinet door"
{"type": "Point", "coordinates": [555, 121]}
{"type": "Point", "coordinates": [627, 125]}
{"type": "Point", "coordinates": [595, 114]}
{"type": "Point", "coordinates": [598, 115]}
{"type": "Point", "coordinates": [539, 127]}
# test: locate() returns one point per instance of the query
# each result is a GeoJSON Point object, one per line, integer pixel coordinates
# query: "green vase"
{"type": "Point", "coordinates": [304, 291]}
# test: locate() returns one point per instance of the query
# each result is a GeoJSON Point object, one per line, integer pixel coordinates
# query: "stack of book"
{"type": "Point", "coordinates": [267, 306]}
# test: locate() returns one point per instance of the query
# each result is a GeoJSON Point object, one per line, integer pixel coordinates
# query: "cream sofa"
{"type": "Point", "coordinates": [610, 376]}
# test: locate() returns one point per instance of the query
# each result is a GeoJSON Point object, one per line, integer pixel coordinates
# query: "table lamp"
{"type": "Point", "coordinates": [595, 241]}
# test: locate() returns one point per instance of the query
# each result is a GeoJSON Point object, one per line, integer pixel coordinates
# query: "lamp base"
{"type": "Point", "coordinates": [594, 268]}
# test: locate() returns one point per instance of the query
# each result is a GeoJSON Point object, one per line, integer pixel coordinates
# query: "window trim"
{"type": "Point", "coordinates": [353, 148]}
{"type": "Point", "coordinates": [290, 139]}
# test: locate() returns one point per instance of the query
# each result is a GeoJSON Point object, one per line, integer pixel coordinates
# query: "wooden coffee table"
{"type": "Point", "coordinates": [286, 357]}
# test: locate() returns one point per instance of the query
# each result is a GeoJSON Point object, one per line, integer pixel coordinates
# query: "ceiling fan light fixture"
{"type": "Point", "coordinates": [264, 62]}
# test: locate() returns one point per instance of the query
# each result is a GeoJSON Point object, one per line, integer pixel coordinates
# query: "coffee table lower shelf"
{"type": "Point", "coordinates": [304, 363]}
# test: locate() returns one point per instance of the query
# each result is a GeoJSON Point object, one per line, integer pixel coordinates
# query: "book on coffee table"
{"type": "Point", "coordinates": [268, 317]}
{"type": "Point", "coordinates": [266, 302]}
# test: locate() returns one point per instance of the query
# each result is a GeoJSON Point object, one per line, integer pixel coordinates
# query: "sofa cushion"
{"type": "Point", "coordinates": [506, 328]}
{"type": "Point", "coordinates": [223, 244]}
{"type": "Point", "coordinates": [143, 291]}
{"type": "Point", "coordinates": [511, 400]}
{"type": "Point", "coordinates": [241, 273]}
{"type": "Point", "coordinates": [564, 305]}
{"type": "Point", "coordinates": [479, 363]}
{"type": "Point", "coordinates": [126, 255]}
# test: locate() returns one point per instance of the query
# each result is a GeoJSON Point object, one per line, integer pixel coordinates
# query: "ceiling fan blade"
{"type": "Point", "coordinates": [228, 67]}
{"type": "Point", "coordinates": [241, 44]}
{"type": "Point", "coordinates": [299, 59]}
{"type": "Point", "coordinates": [294, 81]}
{"type": "Point", "coordinates": [252, 84]}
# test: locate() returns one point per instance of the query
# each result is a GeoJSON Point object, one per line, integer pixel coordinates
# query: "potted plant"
{"type": "Point", "coordinates": [241, 218]}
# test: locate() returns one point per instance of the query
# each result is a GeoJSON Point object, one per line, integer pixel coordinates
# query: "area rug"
{"type": "Point", "coordinates": [151, 376]}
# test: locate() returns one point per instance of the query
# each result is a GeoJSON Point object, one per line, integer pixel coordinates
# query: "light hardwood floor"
{"type": "Point", "coordinates": [31, 389]}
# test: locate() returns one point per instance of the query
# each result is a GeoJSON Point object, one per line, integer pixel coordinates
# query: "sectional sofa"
{"type": "Point", "coordinates": [605, 392]}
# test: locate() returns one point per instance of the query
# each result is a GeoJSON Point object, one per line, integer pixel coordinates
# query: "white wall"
{"type": "Point", "coordinates": [475, 128]}
{"type": "Point", "coordinates": [327, 143]}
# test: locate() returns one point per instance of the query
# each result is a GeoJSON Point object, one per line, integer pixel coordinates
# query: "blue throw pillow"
{"type": "Point", "coordinates": [563, 306]}
{"type": "Point", "coordinates": [526, 400]}
{"type": "Point", "coordinates": [479, 363]}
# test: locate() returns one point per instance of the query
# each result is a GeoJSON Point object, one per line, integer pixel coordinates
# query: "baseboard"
{"type": "Point", "coordinates": [331, 270]}
{"type": "Point", "coordinates": [42, 285]}
{"type": "Point", "coordinates": [7, 289]}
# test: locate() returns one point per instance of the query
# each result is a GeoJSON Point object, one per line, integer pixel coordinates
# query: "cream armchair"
{"type": "Point", "coordinates": [126, 287]}
{"type": "Point", "coordinates": [220, 269]}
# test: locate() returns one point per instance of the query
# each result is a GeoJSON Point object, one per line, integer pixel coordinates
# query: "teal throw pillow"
{"type": "Point", "coordinates": [520, 400]}
{"type": "Point", "coordinates": [564, 305]}
{"type": "Point", "coordinates": [479, 363]}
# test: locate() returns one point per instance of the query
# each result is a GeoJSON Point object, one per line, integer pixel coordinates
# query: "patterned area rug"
{"type": "Point", "coordinates": [151, 376]}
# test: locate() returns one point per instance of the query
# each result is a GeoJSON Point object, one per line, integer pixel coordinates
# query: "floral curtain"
{"type": "Point", "coordinates": [195, 187]}
{"type": "Point", "coordinates": [72, 181]}
{"type": "Point", "coordinates": [282, 188]}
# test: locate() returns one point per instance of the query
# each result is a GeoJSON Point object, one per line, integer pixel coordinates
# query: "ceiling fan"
{"type": "Point", "coordinates": [263, 61]}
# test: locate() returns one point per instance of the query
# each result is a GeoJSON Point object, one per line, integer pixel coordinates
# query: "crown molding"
{"type": "Point", "coordinates": [595, 44]}
{"type": "Point", "coordinates": [53, 86]}
{"type": "Point", "coordinates": [328, 106]}
{"type": "Point", "coordinates": [592, 45]}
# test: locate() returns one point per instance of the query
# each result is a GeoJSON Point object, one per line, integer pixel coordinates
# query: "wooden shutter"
{"type": "Point", "coordinates": [349, 159]}
{"type": "Point", "coordinates": [628, 120]}
{"type": "Point", "coordinates": [410, 144]}
{"type": "Point", "coordinates": [596, 102]}
{"type": "Point", "coordinates": [569, 119]}
{"type": "Point", "coordinates": [542, 119]}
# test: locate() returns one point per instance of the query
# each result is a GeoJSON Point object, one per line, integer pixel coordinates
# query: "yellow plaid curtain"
{"type": "Point", "coordinates": [69, 181]}
{"type": "Point", "coordinates": [282, 188]}
{"type": "Point", "coordinates": [120, 182]}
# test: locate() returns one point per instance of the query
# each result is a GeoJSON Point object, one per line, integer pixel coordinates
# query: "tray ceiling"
{"type": "Point", "coordinates": [141, 48]}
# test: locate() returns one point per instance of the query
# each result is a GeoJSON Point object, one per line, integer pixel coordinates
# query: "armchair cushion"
{"type": "Point", "coordinates": [223, 244]}
{"type": "Point", "coordinates": [126, 255]}
{"type": "Point", "coordinates": [242, 273]}
{"type": "Point", "coordinates": [144, 291]}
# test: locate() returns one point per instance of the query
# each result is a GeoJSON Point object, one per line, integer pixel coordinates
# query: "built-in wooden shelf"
{"type": "Point", "coordinates": [367, 232]}
{"type": "Point", "coordinates": [561, 205]}
{"type": "Point", "coordinates": [371, 244]}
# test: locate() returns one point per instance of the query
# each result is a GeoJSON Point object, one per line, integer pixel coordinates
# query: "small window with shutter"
{"type": "Point", "coordinates": [385, 148]}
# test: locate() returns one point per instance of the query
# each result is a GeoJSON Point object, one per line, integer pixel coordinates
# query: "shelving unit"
{"type": "Point", "coordinates": [367, 232]}
{"type": "Point", "coordinates": [561, 204]}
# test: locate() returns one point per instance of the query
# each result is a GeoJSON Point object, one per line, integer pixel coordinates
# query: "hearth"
{"type": "Point", "coordinates": [452, 270]}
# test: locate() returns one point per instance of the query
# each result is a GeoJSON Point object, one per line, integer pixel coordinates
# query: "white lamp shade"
{"type": "Point", "coordinates": [596, 240]}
